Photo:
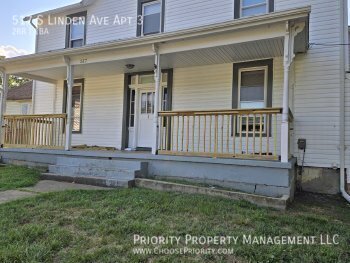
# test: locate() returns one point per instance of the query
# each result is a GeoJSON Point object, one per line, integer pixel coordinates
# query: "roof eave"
{"type": "Point", "coordinates": [82, 4]}
{"type": "Point", "coordinates": [275, 17]}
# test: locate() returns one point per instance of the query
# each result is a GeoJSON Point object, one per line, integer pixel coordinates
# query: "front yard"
{"type": "Point", "coordinates": [17, 177]}
{"type": "Point", "coordinates": [99, 226]}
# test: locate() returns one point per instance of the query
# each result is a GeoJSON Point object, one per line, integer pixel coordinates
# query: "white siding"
{"type": "Point", "coordinates": [44, 97]}
{"type": "Point", "coordinates": [316, 93]}
{"type": "Point", "coordinates": [52, 36]}
{"type": "Point", "coordinates": [102, 111]}
{"type": "Point", "coordinates": [114, 31]}
{"type": "Point", "coordinates": [347, 127]}
{"type": "Point", "coordinates": [180, 14]}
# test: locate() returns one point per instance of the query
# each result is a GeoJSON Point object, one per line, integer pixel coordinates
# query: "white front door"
{"type": "Point", "coordinates": [145, 118]}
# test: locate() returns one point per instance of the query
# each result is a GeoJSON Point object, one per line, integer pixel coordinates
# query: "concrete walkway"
{"type": "Point", "coordinates": [44, 186]}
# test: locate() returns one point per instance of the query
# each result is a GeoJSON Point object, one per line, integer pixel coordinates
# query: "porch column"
{"type": "Point", "coordinates": [4, 90]}
{"type": "Point", "coordinates": [157, 79]}
{"type": "Point", "coordinates": [70, 83]}
{"type": "Point", "coordinates": [288, 58]}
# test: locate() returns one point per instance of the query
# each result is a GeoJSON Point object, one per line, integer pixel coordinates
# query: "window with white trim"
{"type": "Point", "coordinates": [253, 7]}
{"type": "Point", "coordinates": [76, 30]}
{"type": "Point", "coordinates": [252, 88]}
{"type": "Point", "coordinates": [252, 94]}
{"type": "Point", "coordinates": [152, 15]}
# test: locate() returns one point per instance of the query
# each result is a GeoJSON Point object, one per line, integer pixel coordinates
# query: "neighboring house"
{"type": "Point", "coordinates": [19, 100]}
{"type": "Point", "coordinates": [231, 79]}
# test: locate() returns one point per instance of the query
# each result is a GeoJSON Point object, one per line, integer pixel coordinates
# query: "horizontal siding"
{"type": "Point", "coordinates": [316, 92]}
{"type": "Point", "coordinates": [52, 39]}
{"type": "Point", "coordinates": [180, 14]}
{"type": "Point", "coordinates": [102, 111]}
{"type": "Point", "coordinates": [111, 8]}
{"type": "Point", "coordinates": [44, 97]}
{"type": "Point", "coordinates": [347, 127]}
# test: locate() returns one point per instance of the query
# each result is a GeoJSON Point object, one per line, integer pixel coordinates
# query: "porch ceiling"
{"type": "Point", "coordinates": [262, 49]}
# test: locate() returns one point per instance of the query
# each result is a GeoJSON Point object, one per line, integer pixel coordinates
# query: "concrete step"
{"type": "Point", "coordinates": [104, 163]}
{"type": "Point", "coordinates": [89, 180]}
{"type": "Point", "coordinates": [91, 171]}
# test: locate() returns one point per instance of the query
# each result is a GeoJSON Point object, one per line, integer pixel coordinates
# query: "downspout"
{"type": "Point", "coordinates": [344, 66]}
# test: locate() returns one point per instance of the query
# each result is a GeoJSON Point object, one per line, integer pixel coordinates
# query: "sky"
{"type": "Point", "coordinates": [13, 40]}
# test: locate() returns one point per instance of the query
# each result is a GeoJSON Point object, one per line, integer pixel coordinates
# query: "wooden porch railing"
{"type": "Point", "coordinates": [35, 131]}
{"type": "Point", "coordinates": [240, 133]}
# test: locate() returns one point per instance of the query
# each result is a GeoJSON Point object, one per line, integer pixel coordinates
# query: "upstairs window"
{"type": "Point", "coordinates": [245, 8]}
{"type": "Point", "coordinates": [76, 30]}
{"type": "Point", "coordinates": [151, 17]}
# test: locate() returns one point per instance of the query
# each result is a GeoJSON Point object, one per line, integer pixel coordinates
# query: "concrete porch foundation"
{"type": "Point", "coordinates": [267, 178]}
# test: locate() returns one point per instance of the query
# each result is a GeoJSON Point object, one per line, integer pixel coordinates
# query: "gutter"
{"type": "Point", "coordinates": [236, 24]}
{"type": "Point", "coordinates": [343, 68]}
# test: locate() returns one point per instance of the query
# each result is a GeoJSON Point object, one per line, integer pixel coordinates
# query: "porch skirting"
{"type": "Point", "coordinates": [269, 178]}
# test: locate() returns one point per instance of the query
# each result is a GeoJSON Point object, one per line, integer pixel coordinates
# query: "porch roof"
{"type": "Point", "coordinates": [256, 37]}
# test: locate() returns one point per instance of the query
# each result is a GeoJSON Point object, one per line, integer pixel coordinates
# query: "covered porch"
{"type": "Point", "coordinates": [235, 130]}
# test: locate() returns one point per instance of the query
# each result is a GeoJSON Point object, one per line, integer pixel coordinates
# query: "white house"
{"type": "Point", "coordinates": [212, 89]}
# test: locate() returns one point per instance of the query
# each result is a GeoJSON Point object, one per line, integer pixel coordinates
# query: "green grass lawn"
{"type": "Point", "coordinates": [12, 177]}
{"type": "Point", "coordinates": [98, 226]}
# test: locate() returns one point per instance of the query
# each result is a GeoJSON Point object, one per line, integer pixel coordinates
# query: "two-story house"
{"type": "Point", "coordinates": [218, 91]}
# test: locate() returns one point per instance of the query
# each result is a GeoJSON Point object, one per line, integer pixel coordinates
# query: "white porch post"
{"type": "Point", "coordinates": [157, 79]}
{"type": "Point", "coordinates": [5, 80]}
{"type": "Point", "coordinates": [288, 58]}
{"type": "Point", "coordinates": [70, 83]}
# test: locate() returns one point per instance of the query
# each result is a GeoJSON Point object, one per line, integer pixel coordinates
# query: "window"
{"type": "Point", "coordinates": [252, 95]}
{"type": "Point", "coordinates": [245, 8]}
{"type": "Point", "coordinates": [151, 17]}
{"type": "Point", "coordinates": [25, 109]}
{"type": "Point", "coordinates": [76, 30]}
{"type": "Point", "coordinates": [77, 104]}
{"type": "Point", "coordinates": [252, 89]}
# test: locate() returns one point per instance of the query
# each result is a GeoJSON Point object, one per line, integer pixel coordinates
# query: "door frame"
{"type": "Point", "coordinates": [126, 101]}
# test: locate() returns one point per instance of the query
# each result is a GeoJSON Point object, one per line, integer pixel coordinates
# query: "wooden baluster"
{"type": "Point", "coordinates": [188, 133]}
{"type": "Point", "coordinates": [267, 134]}
{"type": "Point", "coordinates": [216, 135]}
{"type": "Point", "coordinates": [182, 133]}
{"type": "Point", "coordinates": [193, 128]}
{"type": "Point", "coordinates": [261, 133]}
{"type": "Point", "coordinates": [240, 134]}
{"type": "Point", "coordinates": [161, 130]}
{"type": "Point", "coordinates": [234, 119]}
{"type": "Point", "coordinates": [177, 134]}
{"type": "Point", "coordinates": [247, 135]}
{"type": "Point", "coordinates": [167, 133]}
{"type": "Point", "coordinates": [254, 131]}
{"type": "Point", "coordinates": [199, 133]}
{"type": "Point", "coordinates": [228, 134]}
{"type": "Point", "coordinates": [210, 132]}
{"type": "Point", "coordinates": [205, 132]}
{"type": "Point", "coordinates": [172, 133]}
{"type": "Point", "coordinates": [222, 133]}
{"type": "Point", "coordinates": [275, 136]}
